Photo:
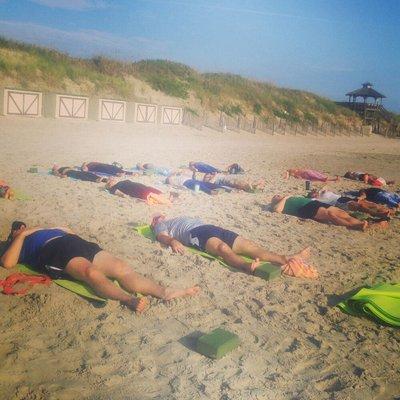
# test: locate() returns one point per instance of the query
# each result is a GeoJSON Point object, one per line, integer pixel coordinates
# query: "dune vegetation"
{"type": "Point", "coordinates": [35, 68]}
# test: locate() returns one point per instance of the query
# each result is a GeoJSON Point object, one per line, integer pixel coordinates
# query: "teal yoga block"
{"type": "Point", "coordinates": [217, 343]}
{"type": "Point", "coordinates": [267, 271]}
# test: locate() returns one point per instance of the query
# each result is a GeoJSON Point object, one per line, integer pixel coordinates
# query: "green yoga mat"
{"type": "Point", "coordinates": [360, 215]}
{"type": "Point", "coordinates": [265, 271]}
{"type": "Point", "coordinates": [380, 302]}
{"type": "Point", "coordinates": [74, 286]}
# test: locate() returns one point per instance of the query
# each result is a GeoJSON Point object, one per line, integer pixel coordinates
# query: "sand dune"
{"type": "Point", "coordinates": [295, 345]}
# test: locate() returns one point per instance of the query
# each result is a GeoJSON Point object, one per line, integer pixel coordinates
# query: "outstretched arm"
{"type": "Point", "coordinates": [176, 245]}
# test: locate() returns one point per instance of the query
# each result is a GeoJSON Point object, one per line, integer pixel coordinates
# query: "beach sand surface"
{"type": "Point", "coordinates": [294, 343]}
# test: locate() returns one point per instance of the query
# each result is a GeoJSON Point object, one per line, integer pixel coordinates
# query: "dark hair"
{"type": "Point", "coordinates": [235, 169]}
{"type": "Point", "coordinates": [347, 175]}
{"type": "Point", "coordinates": [14, 227]}
{"type": "Point", "coordinates": [6, 244]}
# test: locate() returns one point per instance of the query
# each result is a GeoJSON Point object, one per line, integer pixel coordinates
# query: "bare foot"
{"type": "Point", "coordinates": [303, 254]}
{"type": "Point", "coordinates": [378, 225]}
{"type": "Point", "coordinates": [171, 293]}
{"type": "Point", "coordinates": [255, 264]}
{"type": "Point", "coordinates": [137, 304]}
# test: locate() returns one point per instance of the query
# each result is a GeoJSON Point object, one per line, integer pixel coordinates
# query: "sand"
{"type": "Point", "coordinates": [295, 344]}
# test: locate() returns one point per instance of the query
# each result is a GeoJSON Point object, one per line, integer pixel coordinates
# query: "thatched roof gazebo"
{"type": "Point", "coordinates": [366, 92]}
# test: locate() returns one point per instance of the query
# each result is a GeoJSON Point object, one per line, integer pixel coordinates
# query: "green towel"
{"type": "Point", "coordinates": [77, 287]}
{"type": "Point", "coordinates": [380, 302]}
{"type": "Point", "coordinates": [267, 271]}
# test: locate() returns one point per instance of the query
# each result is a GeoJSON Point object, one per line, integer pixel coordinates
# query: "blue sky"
{"type": "Point", "coordinates": [325, 46]}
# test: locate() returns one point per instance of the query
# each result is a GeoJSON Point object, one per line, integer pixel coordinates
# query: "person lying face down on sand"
{"type": "Point", "coordinates": [381, 196]}
{"type": "Point", "coordinates": [309, 175]}
{"type": "Point", "coordinates": [235, 182]}
{"type": "Point", "coordinates": [186, 231]}
{"type": "Point", "coordinates": [367, 178]}
{"type": "Point", "coordinates": [60, 252]}
{"type": "Point", "coordinates": [305, 208]}
{"type": "Point", "coordinates": [5, 191]}
{"type": "Point", "coordinates": [199, 166]}
{"type": "Point", "coordinates": [154, 169]}
{"type": "Point", "coordinates": [138, 191]}
{"type": "Point", "coordinates": [63, 172]}
{"type": "Point", "coordinates": [350, 203]}
{"type": "Point", "coordinates": [108, 169]}
{"type": "Point", "coordinates": [184, 179]}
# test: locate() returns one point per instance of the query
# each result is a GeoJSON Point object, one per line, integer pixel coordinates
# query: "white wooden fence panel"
{"type": "Point", "coordinates": [171, 115]}
{"type": "Point", "coordinates": [72, 107]}
{"type": "Point", "coordinates": [146, 113]}
{"type": "Point", "coordinates": [112, 110]}
{"type": "Point", "coordinates": [23, 103]}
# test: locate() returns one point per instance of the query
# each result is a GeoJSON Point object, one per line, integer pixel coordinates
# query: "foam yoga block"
{"type": "Point", "coordinates": [267, 271]}
{"type": "Point", "coordinates": [217, 343]}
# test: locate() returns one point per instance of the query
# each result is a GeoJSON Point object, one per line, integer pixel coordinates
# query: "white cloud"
{"type": "Point", "coordinates": [84, 43]}
{"type": "Point", "coordinates": [72, 4]}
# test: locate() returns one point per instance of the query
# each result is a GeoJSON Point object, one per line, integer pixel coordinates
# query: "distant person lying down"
{"type": "Point", "coordinates": [6, 192]}
{"type": "Point", "coordinates": [198, 166]}
{"type": "Point", "coordinates": [154, 168]}
{"type": "Point", "coordinates": [184, 180]}
{"type": "Point", "coordinates": [63, 172]}
{"type": "Point", "coordinates": [186, 231]}
{"type": "Point", "coordinates": [381, 196]}
{"type": "Point", "coordinates": [367, 178]}
{"type": "Point", "coordinates": [60, 252]}
{"type": "Point", "coordinates": [137, 190]}
{"type": "Point", "coordinates": [108, 169]}
{"type": "Point", "coordinates": [303, 207]}
{"type": "Point", "coordinates": [309, 175]}
{"type": "Point", "coordinates": [235, 182]}
{"type": "Point", "coordinates": [350, 203]}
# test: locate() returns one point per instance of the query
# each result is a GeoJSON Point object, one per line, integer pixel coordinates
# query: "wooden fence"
{"type": "Point", "coordinates": [273, 126]}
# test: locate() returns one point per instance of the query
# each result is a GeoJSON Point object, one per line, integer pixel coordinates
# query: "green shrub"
{"type": "Point", "coordinates": [171, 87]}
{"type": "Point", "coordinates": [310, 118]}
{"type": "Point", "coordinates": [3, 65]}
{"type": "Point", "coordinates": [257, 108]}
{"type": "Point", "coordinates": [231, 110]}
{"type": "Point", "coordinates": [191, 111]}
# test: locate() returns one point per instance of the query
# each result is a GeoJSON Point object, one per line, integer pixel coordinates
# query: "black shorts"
{"type": "Point", "coordinates": [57, 253]}
{"type": "Point", "coordinates": [310, 210]}
{"type": "Point", "coordinates": [345, 199]}
{"type": "Point", "coordinates": [200, 235]}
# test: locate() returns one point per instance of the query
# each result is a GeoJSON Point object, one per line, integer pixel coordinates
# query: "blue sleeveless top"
{"type": "Point", "coordinates": [33, 244]}
{"type": "Point", "coordinates": [205, 168]}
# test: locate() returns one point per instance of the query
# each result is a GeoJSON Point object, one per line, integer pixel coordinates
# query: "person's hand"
{"type": "Point", "coordinates": [177, 247]}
